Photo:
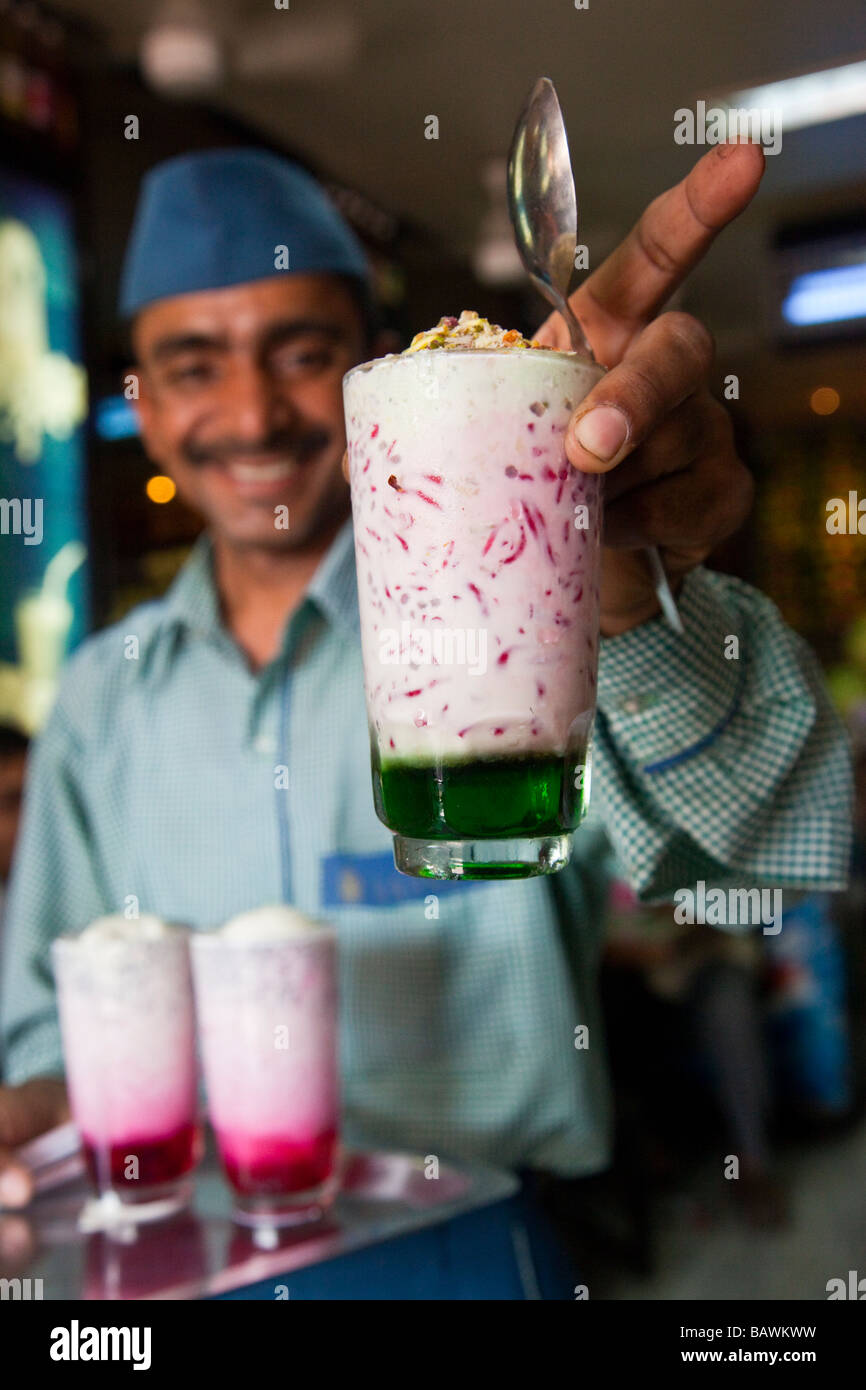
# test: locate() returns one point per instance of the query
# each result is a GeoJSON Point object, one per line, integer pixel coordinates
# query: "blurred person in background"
{"type": "Point", "coordinates": [154, 778]}
{"type": "Point", "coordinates": [852, 906]}
{"type": "Point", "coordinates": [710, 980]}
{"type": "Point", "coordinates": [13, 763]}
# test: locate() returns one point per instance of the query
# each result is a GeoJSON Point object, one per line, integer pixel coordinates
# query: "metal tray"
{"type": "Point", "coordinates": [201, 1251]}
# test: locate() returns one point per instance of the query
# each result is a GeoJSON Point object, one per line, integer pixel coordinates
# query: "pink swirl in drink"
{"type": "Point", "coordinates": [477, 547]}
{"type": "Point", "coordinates": [266, 998]}
{"type": "Point", "coordinates": [128, 1027]}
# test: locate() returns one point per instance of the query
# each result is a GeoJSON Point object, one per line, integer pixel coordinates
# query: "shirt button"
{"type": "Point", "coordinates": [265, 743]}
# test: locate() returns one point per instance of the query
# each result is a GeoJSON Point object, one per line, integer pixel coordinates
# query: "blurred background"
{"type": "Point", "coordinates": [92, 95]}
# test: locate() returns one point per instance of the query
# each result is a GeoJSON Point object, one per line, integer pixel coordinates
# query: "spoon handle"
{"type": "Point", "coordinates": [576, 333]}
{"type": "Point", "coordinates": [663, 589]}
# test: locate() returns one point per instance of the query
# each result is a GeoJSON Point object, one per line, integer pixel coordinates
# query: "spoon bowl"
{"type": "Point", "coordinates": [543, 207]}
{"type": "Point", "coordinates": [543, 204]}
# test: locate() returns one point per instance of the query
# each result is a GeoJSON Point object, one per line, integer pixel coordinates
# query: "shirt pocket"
{"type": "Point", "coordinates": [397, 961]}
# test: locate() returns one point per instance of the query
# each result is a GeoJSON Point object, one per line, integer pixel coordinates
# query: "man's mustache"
{"type": "Point", "coordinates": [298, 447]}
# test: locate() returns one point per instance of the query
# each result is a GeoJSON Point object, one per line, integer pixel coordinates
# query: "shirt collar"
{"type": "Point", "coordinates": [334, 586]}
{"type": "Point", "coordinates": [192, 601]}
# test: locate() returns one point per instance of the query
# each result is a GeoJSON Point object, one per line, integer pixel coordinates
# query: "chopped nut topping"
{"type": "Point", "coordinates": [468, 332]}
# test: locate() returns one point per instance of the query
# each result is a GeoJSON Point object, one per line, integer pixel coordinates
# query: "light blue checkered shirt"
{"type": "Point", "coordinates": [153, 784]}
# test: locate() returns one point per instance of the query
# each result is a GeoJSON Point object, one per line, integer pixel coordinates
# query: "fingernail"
{"type": "Point", "coordinates": [14, 1188]}
{"type": "Point", "coordinates": [602, 432]}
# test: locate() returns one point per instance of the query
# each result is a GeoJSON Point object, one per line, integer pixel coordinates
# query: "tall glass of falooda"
{"type": "Point", "coordinates": [128, 1025]}
{"type": "Point", "coordinates": [477, 548]}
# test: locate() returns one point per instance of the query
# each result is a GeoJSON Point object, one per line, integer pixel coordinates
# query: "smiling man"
{"type": "Point", "coordinates": [161, 780]}
{"type": "Point", "coordinates": [241, 402]}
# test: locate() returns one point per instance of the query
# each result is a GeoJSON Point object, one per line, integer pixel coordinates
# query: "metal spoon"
{"type": "Point", "coordinates": [543, 207]}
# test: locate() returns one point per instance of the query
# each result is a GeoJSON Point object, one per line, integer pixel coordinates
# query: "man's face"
{"type": "Point", "coordinates": [241, 403]}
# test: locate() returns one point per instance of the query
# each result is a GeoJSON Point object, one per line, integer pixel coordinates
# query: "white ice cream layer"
{"type": "Point", "coordinates": [278, 923]}
{"type": "Point", "coordinates": [106, 930]}
{"type": "Point", "coordinates": [477, 548]}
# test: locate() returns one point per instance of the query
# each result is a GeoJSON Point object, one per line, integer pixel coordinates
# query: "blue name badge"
{"type": "Point", "coordinates": [370, 880]}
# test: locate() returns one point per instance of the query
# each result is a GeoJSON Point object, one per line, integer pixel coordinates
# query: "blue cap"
{"type": "Point", "coordinates": [217, 218]}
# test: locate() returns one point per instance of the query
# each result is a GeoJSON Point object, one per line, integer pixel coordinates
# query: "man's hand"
{"type": "Point", "coordinates": [678, 482]}
{"type": "Point", "coordinates": [25, 1112]}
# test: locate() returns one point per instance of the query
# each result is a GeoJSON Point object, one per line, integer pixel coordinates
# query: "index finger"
{"type": "Point", "coordinates": [637, 279]}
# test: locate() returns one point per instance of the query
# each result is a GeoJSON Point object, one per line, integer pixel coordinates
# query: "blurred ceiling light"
{"type": "Point", "coordinates": [496, 260]}
{"type": "Point", "coordinates": [160, 488]}
{"type": "Point", "coordinates": [824, 400]}
{"type": "Point", "coordinates": [284, 43]}
{"type": "Point", "coordinates": [827, 296]}
{"type": "Point", "coordinates": [181, 52]}
{"type": "Point", "coordinates": [827, 95]}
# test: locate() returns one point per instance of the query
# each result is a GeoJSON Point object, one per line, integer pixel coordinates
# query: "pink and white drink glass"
{"type": "Point", "coordinates": [266, 998]}
{"type": "Point", "coordinates": [478, 549]}
{"type": "Point", "coordinates": [128, 1026]}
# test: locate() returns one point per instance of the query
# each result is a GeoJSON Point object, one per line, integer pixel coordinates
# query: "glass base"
{"type": "Point", "coordinates": [114, 1208]}
{"type": "Point", "coordinates": [274, 1209]}
{"type": "Point", "coordinates": [471, 859]}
